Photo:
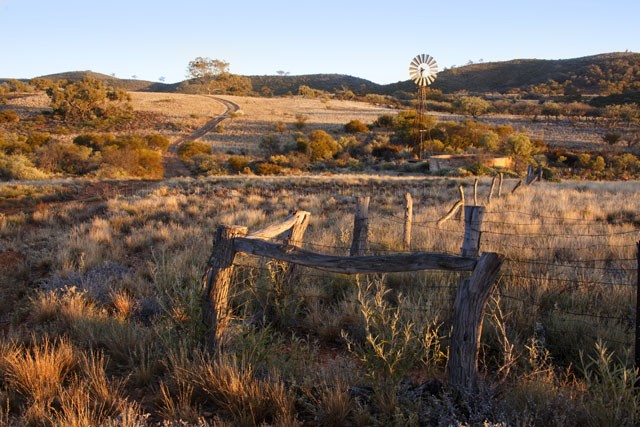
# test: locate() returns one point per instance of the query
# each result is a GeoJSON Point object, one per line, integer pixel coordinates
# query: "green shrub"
{"type": "Point", "coordinates": [38, 139]}
{"type": "Point", "coordinates": [356, 126]}
{"type": "Point", "coordinates": [95, 141]}
{"type": "Point", "coordinates": [18, 167]}
{"type": "Point", "coordinates": [157, 141]}
{"type": "Point", "coordinates": [208, 164]}
{"type": "Point", "coordinates": [322, 146]}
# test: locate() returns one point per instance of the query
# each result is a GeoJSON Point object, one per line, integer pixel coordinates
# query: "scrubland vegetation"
{"type": "Point", "coordinates": [101, 272]}
{"type": "Point", "coordinates": [101, 309]}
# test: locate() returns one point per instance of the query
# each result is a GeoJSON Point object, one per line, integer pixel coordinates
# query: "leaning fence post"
{"type": "Point", "coordinates": [500, 186]}
{"type": "Point", "coordinates": [493, 185]}
{"type": "Point", "coordinates": [468, 313]}
{"type": "Point", "coordinates": [408, 218]}
{"type": "Point", "coordinates": [359, 244]}
{"type": "Point", "coordinates": [215, 291]}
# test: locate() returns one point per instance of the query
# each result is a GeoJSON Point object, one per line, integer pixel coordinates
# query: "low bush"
{"type": "Point", "coordinates": [356, 126]}
{"type": "Point", "coordinates": [9, 116]}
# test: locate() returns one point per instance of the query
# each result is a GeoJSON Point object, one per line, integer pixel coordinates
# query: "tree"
{"type": "Point", "coordinates": [472, 105]}
{"type": "Point", "coordinates": [87, 99]}
{"type": "Point", "coordinates": [206, 69]}
{"type": "Point", "coordinates": [519, 146]}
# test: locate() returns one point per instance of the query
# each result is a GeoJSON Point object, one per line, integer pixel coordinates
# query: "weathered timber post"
{"type": "Point", "coordinates": [519, 183]}
{"type": "Point", "coordinates": [472, 229]}
{"type": "Point", "coordinates": [460, 212]}
{"type": "Point", "coordinates": [493, 185]}
{"type": "Point", "coordinates": [539, 173]}
{"type": "Point", "coordinates": [500, 186]}
{"type": "Point", "coordinates": [475, 192]}
{"type": "Point", "coordinates": [468, 313]}
{"type": "Point", "coordinates": [215, 291]}
{"type": "Point", "coordinates": [637, 349]}
{"type": "Point", "coordinates": [360, 243]}
{"type": "Point", "coordinates": [408, 218]}
{"type": "Point", "coordinates": [294, 238]}
{"type": "Point", "coordinates": [531, 175]}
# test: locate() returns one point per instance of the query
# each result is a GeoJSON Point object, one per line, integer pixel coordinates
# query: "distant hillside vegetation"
{"type": "Point", "coordinates": [117, 83]}
{"type": "Point", "coordinates": [606, 73]}
{"type": "Point", "coordinates": [282, 85]}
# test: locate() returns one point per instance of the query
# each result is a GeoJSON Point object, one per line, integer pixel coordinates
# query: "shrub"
{"type": "Point", "coordinates": [322, 146]}
{"type": "Point", "coordinates": [301, 120]}
{"type": "Point", "coordinates": [38, 139]}
{"type": "Point", "coordinates": [387, 152]}
{"type": "Point", "coordinates": [65, 158]}
{"type": "Point", "coordinates": [280, 126]}
{"type": "Point", "coordinates": [356, 126]}
{"type": "Point", "coordinates": [266, 168]}
{"type": "Point", "coordinates": [489, 141]}
{"type": "Point", "coordinates": [18, 167]}
{"type": "Point", "coordinates": [238, 163]}
{"type": "Point", "coordinates": [87, 99]}
{"type": "Point", "coordinates": [9, 116]}
{"type": "Point", "coordinates": [192, 148]}
{"type": "Point", "coordinates": [95, 141]}
{"type": "Point", "coordinates": [384, 121]}
{"type": "Point", "coordinates": [270, 144]}
{"type": "Point", "coordinates": [157, 141]}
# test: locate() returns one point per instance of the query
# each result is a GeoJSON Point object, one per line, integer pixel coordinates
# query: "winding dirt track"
{"type": "Point", "coordinates": [173, 166]}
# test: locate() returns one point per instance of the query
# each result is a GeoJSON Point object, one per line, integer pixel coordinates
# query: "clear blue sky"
{"type": "Point", "coordinates": [372, 39]}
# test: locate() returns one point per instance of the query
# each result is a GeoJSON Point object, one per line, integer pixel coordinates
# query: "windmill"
{"type": "Point", "coordinates": [422, 70]}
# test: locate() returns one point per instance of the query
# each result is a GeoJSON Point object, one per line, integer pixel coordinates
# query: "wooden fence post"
{"type": "Point", "coordinates": [472, 229]}
{"type": "Point", "coordinates": [360, 243]}
{"type": "Point", "coordinates": [637, 348]}
{"type": "Point", "coordinates": [500, 186]}
{"type": "Point", "coordinates": [493, 185]}
{"type": "Point", "coordinates": [296, 234]}
{"type": "Point", "coordinates": [408, 218]}
{"type": "Point", "coordinates": [460, 212]}
{"type": "Point", "coordinates": [475, 192]}
{"type": "Point", "coordinates": [215, 292]}
{"type": "Point", "coordinates": [468, 313]}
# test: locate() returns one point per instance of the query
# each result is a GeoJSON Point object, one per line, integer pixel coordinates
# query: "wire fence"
{"type": "Point", "coordinates": [573, 279]}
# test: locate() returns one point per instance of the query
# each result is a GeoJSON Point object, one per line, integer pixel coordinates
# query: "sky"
{"type": "Point", "coordinates": [374, 40]}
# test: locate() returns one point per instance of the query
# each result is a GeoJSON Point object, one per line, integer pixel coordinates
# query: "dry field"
{"type": "Point", "coordinates": [184, 113]}
{"type": "Point", "coordinates": [259, 115]}
{"type": "Point", "coordinates": [103, 296]}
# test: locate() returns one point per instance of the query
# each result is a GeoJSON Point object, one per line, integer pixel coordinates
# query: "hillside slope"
{"type": "Point", "coordinates": [597, 74]}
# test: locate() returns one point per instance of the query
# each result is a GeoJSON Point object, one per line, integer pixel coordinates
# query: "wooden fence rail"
{"type": "Point", "coordinates": [470, 300]}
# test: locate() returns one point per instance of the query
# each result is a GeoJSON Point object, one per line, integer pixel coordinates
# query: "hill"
{"type": "Point", "coordinates": [590, 74]}
{"type": "Point", "coordinates": [602, 74]}
{"type": "Point", "coordinates": [281, 85]}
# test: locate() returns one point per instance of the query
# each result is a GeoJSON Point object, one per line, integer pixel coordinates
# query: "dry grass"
{"type": "Point", "coordinates": [115, 308]}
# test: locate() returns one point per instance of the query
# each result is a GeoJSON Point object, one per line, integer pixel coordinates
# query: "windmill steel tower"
{"type": "Point", "coordinates": [422, 70]}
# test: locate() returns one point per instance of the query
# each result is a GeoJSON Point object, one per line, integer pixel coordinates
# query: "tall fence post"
{"type": "Point", "coordinates": [295, 239]}
{"type": "Point", "coordinates": [408, 218]}
{"type": "Point", "coordinates": [215, 291]}
{"type": "Point", "coordinates": [475, 192]}
{"type": "Point", "coordinates": [359, 244]}
{"type": "Point", "coordinates": [500, 184]}
{"type": "Point", "coordinates": [470, 303]}
{"type": "Point", "coordinates": [468, 314]}
{"type": "Point", "coordinates": [472, 230]}
{"type": "Point", "coordinates": [637, 349]}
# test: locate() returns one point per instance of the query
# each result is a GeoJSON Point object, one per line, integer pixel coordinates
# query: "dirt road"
{"type": "Point", "coordinates": [173, 166]}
